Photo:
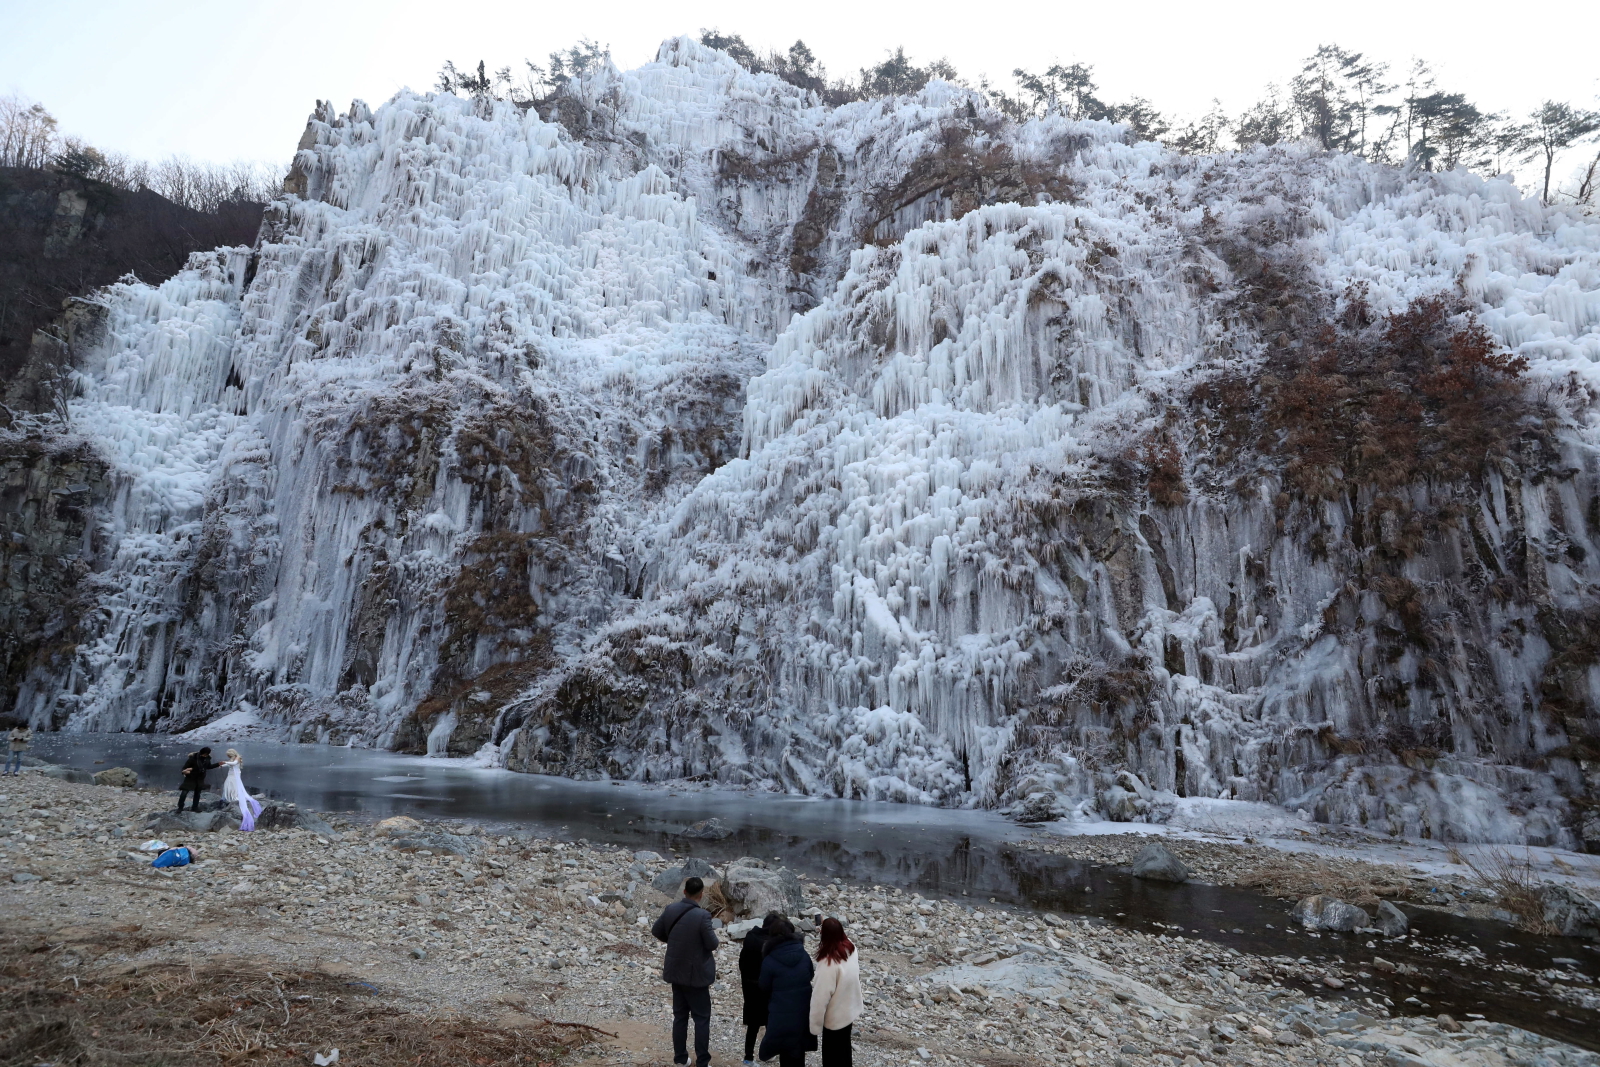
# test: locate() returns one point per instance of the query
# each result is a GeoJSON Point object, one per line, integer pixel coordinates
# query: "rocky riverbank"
{"type": "Point", "coordinates": [509, 930]}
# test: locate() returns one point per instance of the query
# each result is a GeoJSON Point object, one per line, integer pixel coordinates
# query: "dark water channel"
{"type": "Point", "coordinates": [966, 856]}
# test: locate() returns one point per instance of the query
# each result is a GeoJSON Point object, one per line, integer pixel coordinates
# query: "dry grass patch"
{"type": "Point", "coordinates": [234, 1013]}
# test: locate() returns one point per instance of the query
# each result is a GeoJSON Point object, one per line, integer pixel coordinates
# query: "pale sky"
{"type": "Point", "coordinates": [221, 80]}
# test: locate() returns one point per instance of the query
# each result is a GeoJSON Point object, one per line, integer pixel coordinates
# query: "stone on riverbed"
{"type": "Point", "coordinates": [1329, 913]}
{"type": "Point", "coordinates": [125, 777]}
{"type": "Point", "coordinates": [1154, 863]}
{"type": "Point", "coordinates": [1571, 913]}
{"type": "Point", "coordinates": [1391, 920]}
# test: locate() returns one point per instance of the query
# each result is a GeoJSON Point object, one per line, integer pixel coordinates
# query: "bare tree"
{"type": "Point", "coordinates": [1554, 127]}
{"type": "Point", "coordinates": [28, 134]}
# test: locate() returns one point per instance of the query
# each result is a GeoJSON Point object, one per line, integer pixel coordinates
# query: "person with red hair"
{"type": "Point", "coordinates": [835, 994]}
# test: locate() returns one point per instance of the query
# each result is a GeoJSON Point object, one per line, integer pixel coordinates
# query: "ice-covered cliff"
{"type": "Point", "coordinates": [893, 450]}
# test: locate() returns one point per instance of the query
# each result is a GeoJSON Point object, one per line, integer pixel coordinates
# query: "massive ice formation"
{"type": "Point", "coordinates": [697, 429]}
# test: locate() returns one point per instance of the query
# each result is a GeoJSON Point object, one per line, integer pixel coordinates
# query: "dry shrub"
{"type": "Point", "coordinates": [1515, 883]}
{"type": "Point", "coordinates": [1426, 393]}
{"type": "Point", "coordinates": [717, 903]}
{"type": "Point", "coordinates": [220, 1014]}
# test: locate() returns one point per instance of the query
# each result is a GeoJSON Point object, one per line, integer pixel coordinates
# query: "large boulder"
{"type": "Point", "coordinates": [1155, 864]}
{"type": "Point", "coordinates": [752, 889]}
{"type": "Point", "coordinates": [124, 777]}
{"type": "Point", "coordinates": [1571, 913]}
{"type": "Point", "coordinates": [1330, 913]}
{"type": "Point", "coordinates": [707, 830]}
{"type": "Point", "coordinates": [1391, 920]}
{"type": "Point", "coordinates": [670, 881]}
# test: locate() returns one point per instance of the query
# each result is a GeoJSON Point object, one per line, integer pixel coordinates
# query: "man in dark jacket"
{"type": "Point", "coordinates": [685, 927]}
{"type": "Point", "coordinates": [194, 776]}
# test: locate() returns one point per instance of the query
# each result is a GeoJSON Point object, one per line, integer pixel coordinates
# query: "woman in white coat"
{"type": "Point", "coordinates": [233, 789]}
{"type": "Point", "coordinates": [835, 994]}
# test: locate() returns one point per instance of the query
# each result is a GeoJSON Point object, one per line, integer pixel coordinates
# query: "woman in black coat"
{"type": "Point", "coordinates": [786, 980]}
{"type": "Point", "coordinates": [755, 998]}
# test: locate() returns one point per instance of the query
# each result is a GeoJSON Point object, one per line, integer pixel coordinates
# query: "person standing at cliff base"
{"type": "Point", "coordinates": [194, 776]}
{"type": "Point", "coordinates": [20, 738]}
{"type": "Point", "coordinates": [835, 994]}
{"type": "Point", "coordinates": [685, 928]}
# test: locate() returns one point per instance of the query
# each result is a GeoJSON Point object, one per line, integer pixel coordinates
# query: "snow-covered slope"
{"type": "Point", "coordinates": [701, 430]}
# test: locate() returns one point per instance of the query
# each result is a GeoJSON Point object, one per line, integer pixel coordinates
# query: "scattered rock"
{"type": "Point", "coordinates": [707, 830]}
{"type": "Point", "coordinates": [439, 843]}
{"type": "Point", "coordinates": [124, 777]}
{"type": "Point", "coordinates": [1391, 920]}
{"type": "Point", "coordinates": [1331, 982]}
{"type": "Point", "coordinates": [1329, 913]}
{"type": "Point", "coordinates": [1381, 964]}
{"type": "Point", "coordinates": [418, 952]}
{"type": "Point", "coordinates": [20, 877]}
{"type": "Point", "coordinates": [1154, 863]}
{"type": "Point", "coordinates": [1449, 1025]}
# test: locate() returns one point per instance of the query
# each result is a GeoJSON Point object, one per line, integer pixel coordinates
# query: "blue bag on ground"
{"type": "Point", "coordinates": [172, 857]}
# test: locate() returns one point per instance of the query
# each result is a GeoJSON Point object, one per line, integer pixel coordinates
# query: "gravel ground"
{"type": "Point", "coordinates": [512, 929]}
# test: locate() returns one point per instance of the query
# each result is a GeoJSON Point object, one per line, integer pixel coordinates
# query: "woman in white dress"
{"type": "Point", "coordinates": [233, 789]}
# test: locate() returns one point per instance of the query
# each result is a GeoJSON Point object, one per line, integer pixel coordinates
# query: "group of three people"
{"type": "Point", "coordinates": [795, 998]}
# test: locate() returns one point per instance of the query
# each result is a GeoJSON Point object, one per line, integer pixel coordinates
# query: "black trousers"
{"type": "Point", "coordinates": [190, 786]}
{"type": "Point", "coordinates": [836, 1047]}
{"type": "Point", "coordinates": [750, 1033]}
{"type": "Point", "coordinates": [692, 1000]}
{"type": "Point", "coordinates": [791, 1059]}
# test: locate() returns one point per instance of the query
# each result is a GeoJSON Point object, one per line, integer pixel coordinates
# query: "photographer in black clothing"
{"type": "Point", "coordinates": [194, 776]}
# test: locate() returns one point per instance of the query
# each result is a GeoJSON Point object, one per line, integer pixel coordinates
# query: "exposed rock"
{"type": "Point", "coordinates": [707, 830]}
{"type": "Point", "coordinates": [397, 824]}
{"type": "Point", "coordinates": [670, 881]}
{"type": "Point", "coordinates": [168, 823]}
{"type": "Point", "coordinates": [1571, 913]}
{"type": "Point", "coordinates": [1391, 920]}
{"type": "Point", "coordinates": [1156, 864]}
{"type": "Point", "coordinates": [66, 774]}
{"type": "Point", "coordinates": [439, 843]}
{"type": "Point", "coordinates": [754, 890]}
{"type": "Point", "coordinates": [1328, 913]}
{"type": "Point", "coordinates": [1040, 807]}
{"type": "Point", "coordinates": [125, 777]}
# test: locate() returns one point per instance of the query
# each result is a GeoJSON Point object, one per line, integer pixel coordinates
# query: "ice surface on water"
{"type": "Point", "coordinates": [877, 593]}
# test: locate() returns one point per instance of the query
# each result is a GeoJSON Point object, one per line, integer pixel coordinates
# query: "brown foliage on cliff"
{"type": "Point", "coordinates": [1424, 393]}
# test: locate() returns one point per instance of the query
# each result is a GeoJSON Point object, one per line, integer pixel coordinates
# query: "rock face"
{"type": "Point", "coordinates": [1155, 864]}
{"type": "Point", "coordinates": [1391, 920]}
{"type": "Point", "coordinates": [1329, 913]}
{"type": "Point", "coordinates": [687, 427]}
{"type": "Point", "coordinates": [754, 889]}
{"type": "Point", "coordinates": [125, 777]}
{"type": "Point", "coordinates": [1571, 913]}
